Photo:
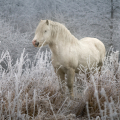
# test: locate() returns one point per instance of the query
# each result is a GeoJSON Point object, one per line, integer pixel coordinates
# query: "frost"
{"type": "Point", "coordinates": [29, 88]}
{"type": "Point", "coordinates": [32, 90]}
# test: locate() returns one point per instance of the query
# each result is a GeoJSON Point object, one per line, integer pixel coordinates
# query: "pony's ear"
{"type": "Point", "coordinates": [47, 22]}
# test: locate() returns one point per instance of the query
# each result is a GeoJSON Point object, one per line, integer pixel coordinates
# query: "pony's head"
{"type": "Point", "coordinates": [43, 34]}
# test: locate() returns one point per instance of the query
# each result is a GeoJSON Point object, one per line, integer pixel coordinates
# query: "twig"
{"type": "Point", "coordinates": [62, 105]}
{"type": "Point", "coordinates": [51, 107]}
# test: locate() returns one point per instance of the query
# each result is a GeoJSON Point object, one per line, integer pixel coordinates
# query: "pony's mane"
{"type": "Point", "coordinates": [61, 26]}
{"type": "Point", "coordinates": [65, 34]}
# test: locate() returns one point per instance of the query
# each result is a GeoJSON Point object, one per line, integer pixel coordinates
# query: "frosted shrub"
{"type": "Point", "coordinates": [30, 90]}
{"type": "Point", "coordinates": [22, 84]}
{"type": "Point", "coordinates": [102, 91]}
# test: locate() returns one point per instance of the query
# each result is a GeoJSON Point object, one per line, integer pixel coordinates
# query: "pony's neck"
{"type": "Point", "coordinates": [65, 35]}
{"type": "Point", "coordinates": [61, 39]}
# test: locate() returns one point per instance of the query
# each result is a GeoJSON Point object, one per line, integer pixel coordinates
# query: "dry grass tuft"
{"type": "Point", "coordinates": [102, 93]}
{"type": "Point", "coordinates": [34, 92]}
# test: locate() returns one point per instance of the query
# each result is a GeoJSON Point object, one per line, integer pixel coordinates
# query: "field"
{"type": "Point", "coordinates": [30, 90]}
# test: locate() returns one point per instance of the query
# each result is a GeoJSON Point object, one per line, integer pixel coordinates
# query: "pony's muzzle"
{"type": "Point", "coordinates": [35, 43]}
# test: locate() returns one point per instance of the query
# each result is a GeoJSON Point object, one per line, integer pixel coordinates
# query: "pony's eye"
{"type": "Point", "coordinates": [45, 31]}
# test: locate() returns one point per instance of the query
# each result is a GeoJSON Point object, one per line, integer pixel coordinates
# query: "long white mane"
{"type": "Point", "coordinates": [59, 30]}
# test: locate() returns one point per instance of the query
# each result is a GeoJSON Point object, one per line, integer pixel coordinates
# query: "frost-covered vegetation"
{"type": "Point", "coordinates": [84, 18]}
{"type": "Point", "coordinates": [31, 90]}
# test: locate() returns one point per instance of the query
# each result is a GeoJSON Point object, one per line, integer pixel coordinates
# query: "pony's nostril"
{"type": "Point", "coordinates": [36, 43]}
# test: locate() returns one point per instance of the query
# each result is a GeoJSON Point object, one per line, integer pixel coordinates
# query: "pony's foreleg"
{"type": "Point", "coordinates": [61, 75]}
{"type": "Point", "coordinates": [70, 80]}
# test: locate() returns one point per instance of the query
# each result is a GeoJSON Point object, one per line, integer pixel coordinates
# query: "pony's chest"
{"type": "Point", "coordinates": [57, 65]}
{"type": "Point", "coordinates": [58, 61]}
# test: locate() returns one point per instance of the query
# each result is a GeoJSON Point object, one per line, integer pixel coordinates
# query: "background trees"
{"type": "Point", "coordinates": [94, 18]}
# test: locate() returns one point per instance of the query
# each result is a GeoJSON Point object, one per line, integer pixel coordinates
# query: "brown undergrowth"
{"type": "Point", "coordinates": [35, 93]}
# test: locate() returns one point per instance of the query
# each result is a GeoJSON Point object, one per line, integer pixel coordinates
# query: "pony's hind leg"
{"type": "Point", "coordinates": [100, 64]}
{"type": "Point", "coordinates": [70, 80]}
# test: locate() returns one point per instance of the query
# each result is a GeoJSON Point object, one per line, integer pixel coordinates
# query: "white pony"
{"type": "Point", "coordinates": [68, 53]}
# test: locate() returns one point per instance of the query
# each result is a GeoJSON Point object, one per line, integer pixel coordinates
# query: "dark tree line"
{"type": "Point", "coordinates": [114, 6]}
